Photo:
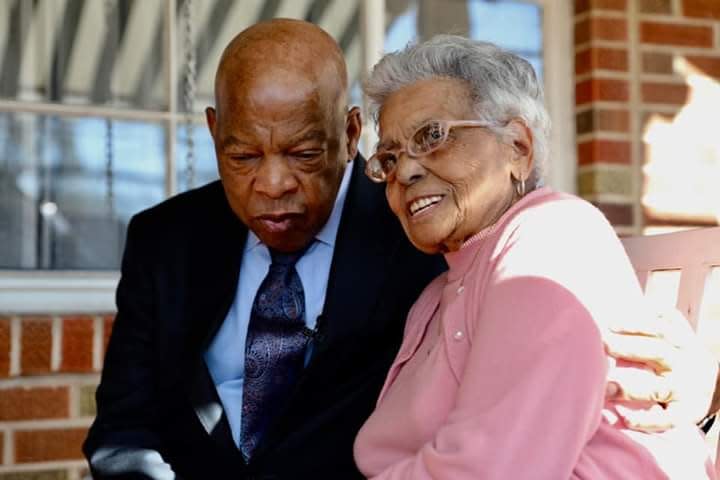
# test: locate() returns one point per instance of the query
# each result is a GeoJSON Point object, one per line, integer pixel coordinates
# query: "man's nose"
{"type": "Point", "coordinates": [408, 170]}
{"type": "Point", "coordinates": [274, 177]}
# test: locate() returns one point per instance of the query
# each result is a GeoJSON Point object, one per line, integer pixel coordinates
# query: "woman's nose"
{"type": "Point", "coordinates": [408, 169]}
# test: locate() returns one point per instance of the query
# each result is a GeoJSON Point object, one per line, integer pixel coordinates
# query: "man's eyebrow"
{"type": "Point", "coordinates": [232, 141]}
{"type": "Point", "coordinates": [318, 135]}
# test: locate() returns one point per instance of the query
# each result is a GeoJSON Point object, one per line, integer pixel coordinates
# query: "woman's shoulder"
{"type": "Point", "coordinates": [563, 237]}
{"type": "Point", "coordinates": [568, 241]}
{"type": "Point", "coordinates": [560, 217]}
{"type": "Point", "coordinates": [558, 207]}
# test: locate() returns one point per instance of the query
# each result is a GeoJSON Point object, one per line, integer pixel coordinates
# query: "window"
{"type": "Point", "coordinates": [65, 198]}
{"type": "Point", "coordinates": [98, 103]}
{"type": "Point", "coordinates": [487, 20]}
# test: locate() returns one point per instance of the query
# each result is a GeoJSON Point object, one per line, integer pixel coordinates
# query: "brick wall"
{"type": "Point", "coordinates": [49, 369]}
{"type": "Point", "coordinates": [626, 54]}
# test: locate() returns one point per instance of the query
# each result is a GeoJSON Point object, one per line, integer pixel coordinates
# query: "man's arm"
{"type": "Point", "coordinates": [685, 385]}
{"type": "Point", "coordinates": [122, 442]}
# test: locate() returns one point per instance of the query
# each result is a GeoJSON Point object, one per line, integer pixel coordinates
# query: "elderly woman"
{"type": "Point", "coordinates": [502, 370]}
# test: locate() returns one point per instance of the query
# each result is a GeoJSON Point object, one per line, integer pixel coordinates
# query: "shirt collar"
{"type": "Point", "coordinates": [327, 234]}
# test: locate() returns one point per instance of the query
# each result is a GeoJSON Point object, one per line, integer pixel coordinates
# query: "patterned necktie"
{"type": "Point", "coordinates": [275, 348]}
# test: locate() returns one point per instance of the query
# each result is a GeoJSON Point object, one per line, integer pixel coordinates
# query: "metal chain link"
{"type": "Point", "coordinates": [189, 90]}
{"type": "Point", "coordinates": [109, 127]}
{"type": "Point", "coordinates": [109, 164]}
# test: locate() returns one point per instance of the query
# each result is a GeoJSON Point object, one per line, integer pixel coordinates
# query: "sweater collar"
{"type": "Point", "coordinates": [460, 260]}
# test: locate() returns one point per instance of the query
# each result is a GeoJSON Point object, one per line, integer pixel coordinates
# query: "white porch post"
{"type": "Point", "coordinates": [171, 91]}
{"type": "Point", "coordinates": [558, 53]}
{"type": "Point", "coordinates": [372, 30]}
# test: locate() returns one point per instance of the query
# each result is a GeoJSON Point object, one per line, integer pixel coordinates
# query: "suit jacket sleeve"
{"type": "Point", "coordinates": [122, 442]}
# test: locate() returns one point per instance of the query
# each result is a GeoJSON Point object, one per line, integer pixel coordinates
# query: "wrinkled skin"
{"type": "Point", "coordinates": [471, 172]}
{"type": "Point", "coordinates": [282, 131]}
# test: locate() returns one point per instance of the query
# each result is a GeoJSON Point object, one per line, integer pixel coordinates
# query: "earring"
{"type": "Point", "coordinates": [520, 187]}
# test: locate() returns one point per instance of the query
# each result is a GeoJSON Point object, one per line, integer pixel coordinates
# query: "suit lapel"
{"type": "Point", "coordinates": [208, 407]}
{"type": "Point", "coordinates": [362, 251]}
{"type": "Point", "coordinates": [214, 260]}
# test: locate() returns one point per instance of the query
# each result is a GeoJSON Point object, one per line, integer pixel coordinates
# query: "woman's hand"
{"type": "Point", "coordinates": [680, 375]}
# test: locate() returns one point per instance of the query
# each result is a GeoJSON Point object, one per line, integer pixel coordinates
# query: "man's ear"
{"type": "Point", "coordinates": [521, 142]}
{"type": "Point", "coordinates": [210, 117]}
{"type": "Point", "coordinates": [353, 129]}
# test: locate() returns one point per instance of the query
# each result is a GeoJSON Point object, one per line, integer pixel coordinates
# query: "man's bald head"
{"type": "Point", "coordinates": [282, 131]}
{"type": "Point", "coordinates": [283, 49]}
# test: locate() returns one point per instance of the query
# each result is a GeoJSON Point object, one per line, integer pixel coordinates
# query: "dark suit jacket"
{"type": "Point", "coordinates": [179, 275]}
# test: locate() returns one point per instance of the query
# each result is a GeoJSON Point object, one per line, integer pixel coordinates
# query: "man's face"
{"type": "Point", "coordinates": [282, 145]}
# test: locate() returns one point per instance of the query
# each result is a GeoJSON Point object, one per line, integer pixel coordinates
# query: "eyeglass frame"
{"type": "Point", "coordinates": [448, 124]}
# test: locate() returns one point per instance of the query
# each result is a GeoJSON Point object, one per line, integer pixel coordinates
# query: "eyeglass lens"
{"type": "Point", "coordinates": [427, 138]}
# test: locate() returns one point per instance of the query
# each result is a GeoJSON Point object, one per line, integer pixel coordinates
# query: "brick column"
{"type": "Point", "coordinates": [604, 130]}
{"type": "Point", "coordinates": [626, 74]}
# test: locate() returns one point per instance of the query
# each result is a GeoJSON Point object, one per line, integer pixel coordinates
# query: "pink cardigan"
{"type": "Point", "coordinates": [502, 371]}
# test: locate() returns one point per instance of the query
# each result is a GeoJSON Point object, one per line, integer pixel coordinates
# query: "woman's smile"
{"type": "Point", "coordinates": [421, 206]}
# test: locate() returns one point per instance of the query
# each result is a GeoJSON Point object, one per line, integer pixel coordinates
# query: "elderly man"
{"type": "Point", "coordinates": [255, 319]}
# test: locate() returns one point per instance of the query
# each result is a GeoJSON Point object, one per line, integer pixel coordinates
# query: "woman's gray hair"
{"type": "Point", "coordinates": [503, 86]}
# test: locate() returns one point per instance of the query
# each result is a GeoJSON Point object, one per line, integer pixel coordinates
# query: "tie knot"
{"type": "Point", "coordinates": [285, 259]}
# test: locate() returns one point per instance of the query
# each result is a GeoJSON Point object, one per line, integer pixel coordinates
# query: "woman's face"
{"type": "Point", "coordinates": [464, 186]}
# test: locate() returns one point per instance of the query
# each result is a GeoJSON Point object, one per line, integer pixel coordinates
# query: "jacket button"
{"type": "Point", "coordinates": [459, 335]}
{"type": "Point", "coordinates": [460, 289]}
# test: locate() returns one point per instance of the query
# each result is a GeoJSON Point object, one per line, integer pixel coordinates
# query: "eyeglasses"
{"type": "Point", "coordinates": [426, 139]}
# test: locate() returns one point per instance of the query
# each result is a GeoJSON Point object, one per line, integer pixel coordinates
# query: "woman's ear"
{"type": "Point", "coordinates": [521, 142]}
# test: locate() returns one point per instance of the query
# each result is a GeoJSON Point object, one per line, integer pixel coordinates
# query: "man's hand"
{"type": "Point", "coordinates": [672, 369]}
